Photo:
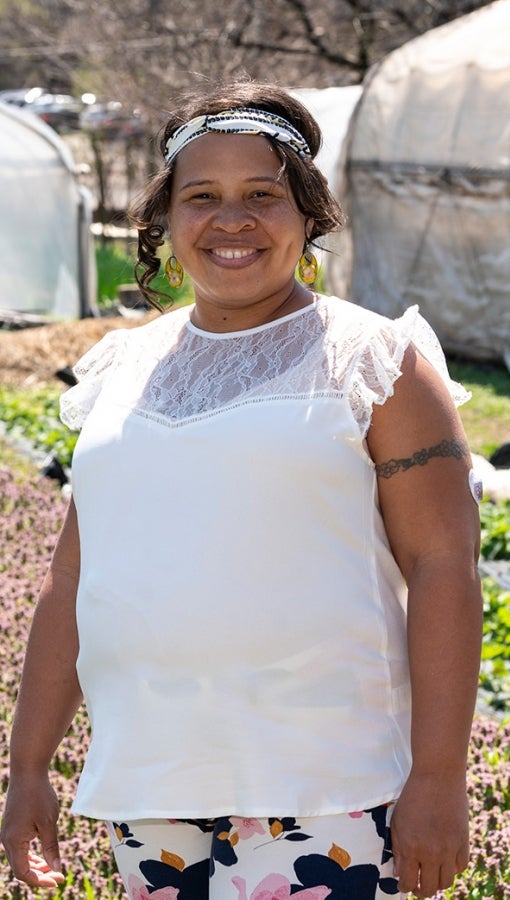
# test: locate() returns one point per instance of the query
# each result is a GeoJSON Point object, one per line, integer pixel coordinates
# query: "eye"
{"type": "Point", "coordinates": [268, 194]}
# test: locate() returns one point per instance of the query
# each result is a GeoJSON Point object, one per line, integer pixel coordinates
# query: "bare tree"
{"type": "Point", "coordinates": [150, 49]}
{"type": "Point", "coordinates": [145, 52]}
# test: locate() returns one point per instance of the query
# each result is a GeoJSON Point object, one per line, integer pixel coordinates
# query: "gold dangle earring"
{"type": "Point", "coordinates": [174, 272]}
{"type": "Point", "coordinates": [308, 267]}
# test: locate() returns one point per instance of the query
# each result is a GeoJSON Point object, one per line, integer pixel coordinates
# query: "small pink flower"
{"type": "Point", "coordinates": [356, 815]}
{"type": "Point", "coordinates": [246, 827]}
{"type": "Point", "coordinates": [137, 890]}
{"type": "Point", "coordinates": [277, 887]}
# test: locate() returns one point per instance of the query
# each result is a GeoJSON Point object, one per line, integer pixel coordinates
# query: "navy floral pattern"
{"type": "Point", "coordinates": [345, 857]}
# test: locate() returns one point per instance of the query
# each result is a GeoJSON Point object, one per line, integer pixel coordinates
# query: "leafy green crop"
{"type": "Point", "coordinates": [495, 665]}
{"type": "Point", "coordinates": [32, 414]}
{"type": "Point", "coordinates": [495, 522]}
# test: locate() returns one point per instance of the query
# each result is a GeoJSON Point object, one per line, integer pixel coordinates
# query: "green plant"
{"type": "Point", "coordinates": [495, 525]}
{"type": "Point", "coordinates": [488, 874]}
{"type": "Point", "coordinates": [32, 414]}
{"type": "Point", "coordinates": [495, 665]}
{"type": "Point", "coordinates": [115, 266]}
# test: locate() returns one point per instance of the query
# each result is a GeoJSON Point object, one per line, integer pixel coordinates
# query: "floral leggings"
{"type": "Point", "coordinates": [342, 857]}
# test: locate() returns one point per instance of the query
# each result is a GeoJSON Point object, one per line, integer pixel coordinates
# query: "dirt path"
{"type": "Point", "coordinates": [30, 357]}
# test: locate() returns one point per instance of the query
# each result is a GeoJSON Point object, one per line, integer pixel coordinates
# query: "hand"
{"type": "Point", "coordinates": [31, 810]}
{"type": "Point", "coordinates": [430, 832]}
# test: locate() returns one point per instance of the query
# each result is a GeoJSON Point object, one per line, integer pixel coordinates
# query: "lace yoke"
{"type": "Point", "coordinates": [173, 372]}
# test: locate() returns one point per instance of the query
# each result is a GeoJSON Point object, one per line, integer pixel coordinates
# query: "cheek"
{"type": "Point", "coordinates": [184, 230]}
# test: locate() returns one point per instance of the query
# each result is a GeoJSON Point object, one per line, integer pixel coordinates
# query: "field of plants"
{"type": "Point", "coordinates": [32, 508]}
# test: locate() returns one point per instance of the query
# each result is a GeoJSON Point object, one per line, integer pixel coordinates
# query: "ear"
{"type": "Point", "coordinates": [309, 228]}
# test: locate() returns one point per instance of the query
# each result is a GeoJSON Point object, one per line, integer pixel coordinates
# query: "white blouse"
{"type": "Point", "coordinates": [241, 617]}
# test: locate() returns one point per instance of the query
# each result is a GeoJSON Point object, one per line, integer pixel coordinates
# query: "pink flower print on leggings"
{"type": "Point", "coordinates": [277, 887]}
{"type": "Point", "coordinates": [137, 890]}
{"type": "Point", "coordinates": [246, 827]}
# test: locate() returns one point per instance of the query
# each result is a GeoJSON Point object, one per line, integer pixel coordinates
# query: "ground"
{"type": "Point", "coordinates": [29, 357]}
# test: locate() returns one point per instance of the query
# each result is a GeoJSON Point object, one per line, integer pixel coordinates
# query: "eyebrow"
{"type": "Point", "coordinates": [201, 182]}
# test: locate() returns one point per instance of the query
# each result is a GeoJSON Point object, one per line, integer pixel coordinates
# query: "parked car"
{"type": "Point", "coordinates": [112, 121]}
{"type": "Point", "coordinates": [61, 111]}
{"type": "Point", "coordinates": [21, 96]}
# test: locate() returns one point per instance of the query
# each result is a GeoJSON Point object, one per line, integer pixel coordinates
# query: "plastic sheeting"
{"type": "Point", "coordinates": [427, 185]}
{"type": "Point", "coordinates": [332, 108]}
{"type": "Point", "coordinates": [45, 245]}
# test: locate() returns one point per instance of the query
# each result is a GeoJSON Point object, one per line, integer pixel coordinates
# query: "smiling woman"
{"type": "Point", "coordinates": [283, 170]}
{"type": "Point", "coordinates": [237, 231]}
{"type": "Point", "coordinates": [268, 571]}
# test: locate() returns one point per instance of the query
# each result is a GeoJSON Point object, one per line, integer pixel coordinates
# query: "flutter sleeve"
{"type": "Point", "coordinates": [377, 366]}
{"type": "Point", "coordinates": [92, 371]}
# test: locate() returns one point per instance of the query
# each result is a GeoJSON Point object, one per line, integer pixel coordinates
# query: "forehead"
{"type": "Point", "coordinates": [215, 156]}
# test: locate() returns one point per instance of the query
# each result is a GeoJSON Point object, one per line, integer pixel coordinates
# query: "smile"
{"type": "Point", "coordinates": [233, 253]}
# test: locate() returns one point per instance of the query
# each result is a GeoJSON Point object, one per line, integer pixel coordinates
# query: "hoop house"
{"type": "Point", "coordinates": [48, 267]}
{"type": "Point", "coordinates": [427, 185]}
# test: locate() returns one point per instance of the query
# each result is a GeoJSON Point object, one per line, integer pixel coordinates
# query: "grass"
{"type": "Point", "coordinates": [486, 418]}
{"type": "Point", "coordinates": [115, 266]}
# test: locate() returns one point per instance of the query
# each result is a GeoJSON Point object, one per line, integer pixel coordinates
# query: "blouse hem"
{"type": "Point", "coordinates": [255, 812]}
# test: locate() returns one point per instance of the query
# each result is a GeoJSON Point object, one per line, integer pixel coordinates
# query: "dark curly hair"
{"type": "Point", "coordinates": [308, 185]}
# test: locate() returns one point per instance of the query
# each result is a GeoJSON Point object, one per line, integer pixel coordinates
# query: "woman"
{"type": "Point", "coordinates": [264, 485]}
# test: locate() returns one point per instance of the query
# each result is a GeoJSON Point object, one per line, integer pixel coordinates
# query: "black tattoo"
{"type": "Point", "coordinates": [455, 448]}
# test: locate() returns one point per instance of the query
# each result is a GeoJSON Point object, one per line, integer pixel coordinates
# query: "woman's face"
{"type": "Point", "coordinates": [234, 227]}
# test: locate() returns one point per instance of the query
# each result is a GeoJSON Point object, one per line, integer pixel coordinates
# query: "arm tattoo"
{"type": "Point", "coordinates": [455, 448]}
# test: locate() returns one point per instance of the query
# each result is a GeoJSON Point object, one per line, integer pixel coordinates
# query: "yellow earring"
{"type": "Point", "coordinates": [308, 267]}
{"type": "Point", "coordinates": [174, 272]}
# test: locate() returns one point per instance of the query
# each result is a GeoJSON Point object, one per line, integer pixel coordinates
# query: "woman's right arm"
{"type": "Point", "coordinates": [48, 699]}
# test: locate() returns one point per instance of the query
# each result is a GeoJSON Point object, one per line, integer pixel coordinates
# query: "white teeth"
{"type": "Point", "coordinates": [232, 254]}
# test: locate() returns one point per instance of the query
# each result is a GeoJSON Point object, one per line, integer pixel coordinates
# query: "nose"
{"type": "Point", "coordinates": [233, 217]}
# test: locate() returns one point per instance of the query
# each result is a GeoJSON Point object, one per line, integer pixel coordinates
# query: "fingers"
{"type": "Point", "coordinates": [31, 812]}
{"type": "Point", "coordinates": [33, 870]}
{"type": "Point", "coordinates": [430, 833]}
{"type": "Point", "coordinates": [424, 880]}
{"type": "Point", "coordinates": [27, 866]}
{"type": "Point", "coordinates": [44, 874]}
{"type": "Point", "coordinates": [50, 851]}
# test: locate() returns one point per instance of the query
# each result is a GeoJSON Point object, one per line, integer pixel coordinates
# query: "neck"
{"type": "Point", "coordinates": [221, 319]}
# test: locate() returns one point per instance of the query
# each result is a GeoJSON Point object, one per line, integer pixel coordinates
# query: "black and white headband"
{"type": "Point", "coordinates": [243, 120]}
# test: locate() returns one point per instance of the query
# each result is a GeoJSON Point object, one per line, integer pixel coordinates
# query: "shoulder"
{"type": "Point", "coordinates": [170, 322]}
{"type": "Point", "coordinates": [347, 312]}
{"type": "Point", "coordinates": [360, 328]}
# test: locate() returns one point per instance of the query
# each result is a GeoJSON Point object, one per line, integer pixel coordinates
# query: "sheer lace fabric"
{"type": "Point", "coordinates": [173, 372]}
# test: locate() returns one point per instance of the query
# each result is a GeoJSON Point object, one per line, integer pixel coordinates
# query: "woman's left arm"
{"type": "Point", "coordinates": [423, 462]}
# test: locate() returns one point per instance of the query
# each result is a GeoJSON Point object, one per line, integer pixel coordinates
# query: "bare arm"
{"type": "Point", "coordinates": [419, 447]}
{"type": "Point", "coordinates": [48, 698]}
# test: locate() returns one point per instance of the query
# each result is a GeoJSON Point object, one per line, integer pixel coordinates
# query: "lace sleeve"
{"type": "Point", "coordinates": [377, 367]}
{"type": "Point", "coordinates": [91, 371]}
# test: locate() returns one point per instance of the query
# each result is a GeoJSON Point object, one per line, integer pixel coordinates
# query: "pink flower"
{"type": "Point", "coordinates": [246, 827]}
{"type": "Point", "coordinates": [356, 815]}
{"type": "Point", "coordinates": [277, 887]}
{"type": "Point", "coordinates": [137, 890]}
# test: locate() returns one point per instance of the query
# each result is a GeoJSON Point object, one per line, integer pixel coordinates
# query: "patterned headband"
{"type": "Point", "coordinates": [237, 121]}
